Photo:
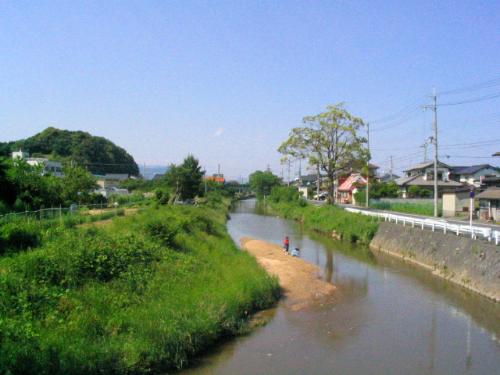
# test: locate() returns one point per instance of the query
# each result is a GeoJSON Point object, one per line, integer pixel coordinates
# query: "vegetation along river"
{"type": "Point", "coordinates": [386, 317]}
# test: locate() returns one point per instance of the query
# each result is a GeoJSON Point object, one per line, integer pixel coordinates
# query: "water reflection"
{"type": "Point", "coordinates": [387, 317]}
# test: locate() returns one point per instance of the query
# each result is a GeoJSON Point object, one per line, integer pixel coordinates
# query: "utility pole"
{"type": "Point", "coordinates": [367, 203]}
{"type": "Point", "coordinates": [435, 141]}
{"type": "Point", "coordinates": [424, 146]}
{"type": "Point", "coordinates": [392, 168]}
{"type": "Point", "coordinates": [435, 156]}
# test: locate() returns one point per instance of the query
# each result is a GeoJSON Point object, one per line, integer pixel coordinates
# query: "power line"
{"type": "Point", "coordinates": [478, 86]}
{"type": "Point", "coordinates": [473, 100]}
{"type": "Point", "coordinates": [410, 115]}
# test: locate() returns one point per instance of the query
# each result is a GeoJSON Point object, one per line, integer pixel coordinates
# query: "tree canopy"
{"type": "Point", "coordinates": [331, 141]}
{"type": "Point", "coordinates": [263, 182]}
{"type": "Point", "coordinates": [98, 154]}
{"type": "Point", "coordinates": [185, 180]}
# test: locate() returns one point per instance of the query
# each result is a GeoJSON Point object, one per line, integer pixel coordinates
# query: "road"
{"type": "Point", "coordinates": [448, 220]}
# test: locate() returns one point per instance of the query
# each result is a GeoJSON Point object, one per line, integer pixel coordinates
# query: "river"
{"type": "Point", "coordinates": [386, 317]}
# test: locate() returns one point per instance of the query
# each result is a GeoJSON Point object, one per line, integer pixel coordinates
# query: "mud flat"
{"type": "Point", "coordinates": [300, 281]}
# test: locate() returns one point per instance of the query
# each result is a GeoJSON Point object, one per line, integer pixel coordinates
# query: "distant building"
{"type": "Point", "coordinates": [111, 190]}
{"type": "Point", "coordinates": [111, 179]}
{"type": "Point", "coordinates": [217, 177]}
{"type": "Point", "coordinates": [349, 187]}
{"type": "Point", "coordinates": [474, 174]}
{"type": "Point", "coordinates": [48, 166]}
{"type": "Point", "coordinates": [489, 204]}
{"type": "Point", "coordinates": [422, 175]}
{"type": "Point", "coordinates": [20, 155]}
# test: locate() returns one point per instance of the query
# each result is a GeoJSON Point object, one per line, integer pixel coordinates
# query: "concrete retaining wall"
{"type": "Point", "coordinates": [473, 264]}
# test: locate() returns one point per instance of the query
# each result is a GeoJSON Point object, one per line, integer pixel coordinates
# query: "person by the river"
{"type": "Point", "coordinates": [296, 252]}
{"type": "Point", "coordinates": [286, 244]}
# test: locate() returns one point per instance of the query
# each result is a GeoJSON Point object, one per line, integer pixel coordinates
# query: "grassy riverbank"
{"type": "Point", "coordinates": [329, 220]}
{"type": "Point", "coordinates": [141, 295]}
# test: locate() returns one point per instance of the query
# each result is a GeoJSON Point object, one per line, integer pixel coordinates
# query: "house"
{"type": "Point", "coordinates": [48, 166]}
{"type": "Point", "coordinates": [217, 177]}
{"type": "Point", "coordinates": [487, 182]}
{"type": "Point", "coordinates": [348, 187]}
{"type": "Point", "coordinates": [422, 175]}
{"type": "Point", "coordinates": [111, 190]}
{"type": "Point", "coordinates": [473, 174]}
{"type": "Point", "coordinates": [20, 155]}
{"type": "Point", "coordinates": [111, 179]}
{"type": "Point", "coordinates": [489, 204]}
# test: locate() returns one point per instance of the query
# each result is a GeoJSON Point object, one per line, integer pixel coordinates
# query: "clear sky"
{"type": "Point", "coordinates": [226, 80]}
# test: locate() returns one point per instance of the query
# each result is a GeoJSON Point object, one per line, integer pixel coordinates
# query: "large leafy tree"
{"type": "Point", "coordinates": [33, 189]}
{"type": "Point", "coordinates": [331, 141]}
{"type": "Point", "coordinates": [77, 185]}
{"type": "Point", "coordinates": [8, 190]}
{"type": "Point", "coordinates": [262, 183]}
{"type": "Point", "coordinates": [185, 180]}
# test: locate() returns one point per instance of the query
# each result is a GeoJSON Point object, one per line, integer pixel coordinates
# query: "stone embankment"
{"type": "Point", "coordinates": [472, 264]}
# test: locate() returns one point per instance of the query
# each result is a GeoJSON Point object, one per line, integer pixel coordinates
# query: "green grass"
{"type": "Point", "coordinates": [143, 294]}
{"type": "Point", "coordinates": [328, 219]}
{"type": "Point", "coordinates": [426, 208]}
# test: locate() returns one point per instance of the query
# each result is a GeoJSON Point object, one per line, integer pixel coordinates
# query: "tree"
{"type": "Point", "coordinates": [8, 189]}
{"type": "Point", "coordinates": [262, 182]}
{"type": "Point", "coordinates": [33, 189]}
{"type": "Point", "coordinates": [185, 180]}
{"type": "Point", "coordinates": [331, 142]}
{"type": "Point", "coordinates": [78, 184]}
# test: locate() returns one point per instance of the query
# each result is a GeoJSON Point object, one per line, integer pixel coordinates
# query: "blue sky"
{"type": "Point", "coordinates": [227, 80]}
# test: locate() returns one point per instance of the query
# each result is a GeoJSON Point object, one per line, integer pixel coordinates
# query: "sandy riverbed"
{"type": "Point", "coordinates": [301, 281]}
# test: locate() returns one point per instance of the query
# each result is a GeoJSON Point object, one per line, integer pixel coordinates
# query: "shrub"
{"type": "Point", "coordinates": [103, 300]}
{"type": "Point", "coordinates": [19, 235]}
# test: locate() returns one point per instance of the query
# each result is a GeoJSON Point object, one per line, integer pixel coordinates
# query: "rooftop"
{"type": "Point", "coordinates": [490, 193]}
{"type": "Point", "coordinates": [427, 164]}
{"type": "Point", "coordinates": [470, 169]}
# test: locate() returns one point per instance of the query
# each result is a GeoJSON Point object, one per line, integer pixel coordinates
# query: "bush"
{"type": "Point", "coordinates": [103, 300]}
{"type": "Point", "coordinates": [19, 235]}
{"type": "Point", "coordinates": [328, 219]}
{"type": "Point", "coordinates": [284, 194]}
{"type": "Point", "coordinates": [419, 192]}
{"type": "Point", "coordinates": [162, 196]}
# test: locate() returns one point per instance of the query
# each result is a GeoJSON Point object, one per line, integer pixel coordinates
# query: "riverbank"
{"type": "Point", "coordinates": [299, 280]}
{"type": "Point", "coordinates": [143, 294]}
{"type": "Point", "coordinates": [472, 264]}
{"type": "Point", "coordinates": [328, 220]}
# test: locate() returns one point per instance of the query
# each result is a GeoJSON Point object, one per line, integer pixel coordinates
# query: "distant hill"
{"type": "Point", "coordinates": [98, 154]}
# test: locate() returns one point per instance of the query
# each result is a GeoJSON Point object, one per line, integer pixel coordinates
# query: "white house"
{"type": "Point", "coordinates": [49, 166]}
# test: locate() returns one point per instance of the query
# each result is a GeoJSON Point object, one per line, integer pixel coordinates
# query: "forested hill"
{"type": "Point", "coordinates": [98, 154]}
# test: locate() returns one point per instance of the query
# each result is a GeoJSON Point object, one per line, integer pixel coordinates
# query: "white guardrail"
{"type": "Point", "coordinates": [488, 234]}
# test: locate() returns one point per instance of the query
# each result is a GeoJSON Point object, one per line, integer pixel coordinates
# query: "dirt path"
{"type": "Point", "coordinates": [128, 211]}
{"type": "Point", "coordinates": [299, 279]}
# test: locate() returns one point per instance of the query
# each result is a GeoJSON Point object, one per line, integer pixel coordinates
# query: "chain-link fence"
{"type": "Point", "coordinates": [58, 212]}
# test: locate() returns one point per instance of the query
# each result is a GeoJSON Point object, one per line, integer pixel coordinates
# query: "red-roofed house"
{"type": "Point", "coordinates": [349, 187]}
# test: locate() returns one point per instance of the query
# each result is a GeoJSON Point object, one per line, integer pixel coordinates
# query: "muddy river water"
{"type": "Point", "coordinates": [386, 317]}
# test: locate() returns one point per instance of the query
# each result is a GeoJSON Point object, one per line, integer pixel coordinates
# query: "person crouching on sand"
{"type": "Point", "coordinates": [286, 244]}
{"type": "Point", "coordinates": [296, 252]}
